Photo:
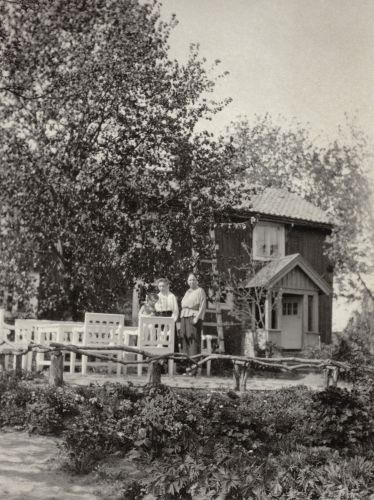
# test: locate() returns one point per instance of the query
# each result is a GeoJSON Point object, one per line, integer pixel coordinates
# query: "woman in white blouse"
{"type": "Point", "coordinates": [166, 304]}
{"type": "Point", "coordinates": [192, 316]}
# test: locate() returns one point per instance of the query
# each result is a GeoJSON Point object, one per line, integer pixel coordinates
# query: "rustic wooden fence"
{"type": "Point", "coordinates": [243, 366]}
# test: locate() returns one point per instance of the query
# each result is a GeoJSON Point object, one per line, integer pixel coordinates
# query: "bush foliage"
{"type": "Point", "coordinates": [291, 443]}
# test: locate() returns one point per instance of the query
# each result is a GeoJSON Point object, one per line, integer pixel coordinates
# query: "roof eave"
{"type": "Point", "coordinates": [297, 260]}
{"type": "Point", "coordinates": [243, 213]}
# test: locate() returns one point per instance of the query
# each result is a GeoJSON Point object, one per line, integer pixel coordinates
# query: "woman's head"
{"type": "Point", "coordinates": [163, 285]}
{"type": "Point", "coordinates": [192, 281]}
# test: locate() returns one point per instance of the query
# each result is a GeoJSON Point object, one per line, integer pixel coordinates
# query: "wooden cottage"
{"type": "Point", "coordinates": [285, 235]}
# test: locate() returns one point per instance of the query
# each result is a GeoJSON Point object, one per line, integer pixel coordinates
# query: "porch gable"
{"type": "Point", "coordinates": [297, 279]}
{"type": "Point", "coordinates": [292, 269]}
{"type": "Point", "coordinates": [293, 321]}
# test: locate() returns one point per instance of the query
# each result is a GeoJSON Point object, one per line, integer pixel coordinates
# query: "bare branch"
{"type": "Point", "coordinates": [19, 95]}
{"type": "Point", "coordinates": [367, 289]}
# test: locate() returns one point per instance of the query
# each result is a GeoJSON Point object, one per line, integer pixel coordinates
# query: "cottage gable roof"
{"type": "Point", "coordinates": [281, 203]}
{"type": "Point", "coordinates": [273, 272]}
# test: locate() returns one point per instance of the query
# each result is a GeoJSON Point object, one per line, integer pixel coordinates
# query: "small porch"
{"type": "Point", "coordinates": [292, 289]}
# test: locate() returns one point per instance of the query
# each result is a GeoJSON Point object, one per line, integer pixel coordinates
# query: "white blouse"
{"type": "Point", "coordinates": [194, 304]}
{"type": "Point", "coordinates": [168, 302]}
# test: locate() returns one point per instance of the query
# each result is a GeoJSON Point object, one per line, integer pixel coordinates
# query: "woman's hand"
{"type": "Point", "coordinates": [194, 321]}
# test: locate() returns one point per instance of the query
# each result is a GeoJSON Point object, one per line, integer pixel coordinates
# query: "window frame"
{"type": "Point", "coordinates": [280, 238]}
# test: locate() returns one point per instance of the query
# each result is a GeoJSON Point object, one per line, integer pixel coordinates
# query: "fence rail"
{"type": "Point", "coordinates": [243, 366]}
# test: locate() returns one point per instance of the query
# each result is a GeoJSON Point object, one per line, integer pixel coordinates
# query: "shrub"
{"type": "Point", "coordinates": [38, 409]}
{"type": "Point", "coordinates": [13, 404]}
{"type": "Point", "coordinates": [355, 346]}
{"type": "Point", "coordinates": [99, 428]}
{"type": "Point", "coordinates": [49, 409]}
{"type": "Point", "coordinates": [163, 422]}
{"type": "Point", "coordinates": [291, 443]}
{"type": "Point", "coordinates": [279, 417]}
{"type": "Point", "coordinates": [342, 419]}
{"type": "Point", "coordinates": [324, 351]}
{"type": "Point", "coordinates": [316, 473]}
{"type": "Point", "coordinates": [34, 407]}
{"type": "Point", "coordinates": [91, 438]}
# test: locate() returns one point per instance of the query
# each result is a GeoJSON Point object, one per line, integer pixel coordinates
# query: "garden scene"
{"type": "Point", "coordinates": [186, 274]}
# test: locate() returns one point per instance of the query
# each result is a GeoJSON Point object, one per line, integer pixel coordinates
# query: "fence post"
{"type": "Point", "coordinates": [331, 376]}
{"type": "Point", "coordinates": [236, 376]}
{"type": "Point", "coordinates": [18, 364]}
{"type": "Point", "coordinates": [56, 369]}
{"type": "Point", "coordinates": [241, 372]}
{"type": "Point", "coordinates": [154, 374]}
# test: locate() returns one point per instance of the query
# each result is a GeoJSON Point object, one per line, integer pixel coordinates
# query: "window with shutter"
{"type": "Point", "coordinates": [268, 241]}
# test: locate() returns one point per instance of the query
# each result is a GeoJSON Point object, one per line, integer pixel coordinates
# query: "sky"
{"type": "Point", "coordinates": [309, 60]}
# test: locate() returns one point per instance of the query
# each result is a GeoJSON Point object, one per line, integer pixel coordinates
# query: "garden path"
{"type": "Point", "coordinates": [258, 382]}
{"type": "Point", "coordinates": [29, 471]}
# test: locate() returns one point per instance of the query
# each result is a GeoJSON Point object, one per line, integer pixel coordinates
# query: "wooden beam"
{"type": "Point", "coordinates": [304, 320]}
{"type": "Point", "coordinates": [220, 332]}
{"type": "Point", "coordinates": [315, 321]}
{"type": "Point", "coordinates": [56, 369]}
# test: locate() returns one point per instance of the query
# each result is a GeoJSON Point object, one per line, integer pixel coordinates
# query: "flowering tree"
{"type": "Point", "coordinates": [334, 177]}
{"type": "Point", "coordinates": [102, 178]}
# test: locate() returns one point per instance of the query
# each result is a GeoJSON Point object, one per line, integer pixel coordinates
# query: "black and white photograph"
{"type": "Point", "coordinates": [186, 249]}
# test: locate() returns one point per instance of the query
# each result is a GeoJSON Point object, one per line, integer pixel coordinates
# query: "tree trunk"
{"type": "Point", "coordinates": [154, 374]}
{"type": "Point", "coordinates": [56, 370]}
{"type": "Point", "coordinates": [73, 301]}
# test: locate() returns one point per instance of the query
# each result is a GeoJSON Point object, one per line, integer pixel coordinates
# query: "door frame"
{"type": "Point", "coordinates": [295, 297]}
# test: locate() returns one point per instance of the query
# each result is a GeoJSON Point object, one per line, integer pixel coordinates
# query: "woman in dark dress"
{"type": "Point", "coordinates": [192, 316]}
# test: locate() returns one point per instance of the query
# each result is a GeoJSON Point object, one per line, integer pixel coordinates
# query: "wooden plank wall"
{"type": "Point", "coordinates": [231, 253]}
{"type": "Point", "coordinates": [232, 256]}
{"type": "Point", "coordinates": [297, 279]}
{"type": "Point", "coordinates": [309, 242]}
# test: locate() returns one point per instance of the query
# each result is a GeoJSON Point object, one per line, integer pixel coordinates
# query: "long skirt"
{"type": "Point", "coordinates": [191, 336]}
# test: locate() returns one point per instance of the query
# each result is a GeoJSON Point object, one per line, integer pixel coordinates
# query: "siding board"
{"type": "Point", "coordinates": [297, 279]}
{"type": "Point", "coordinates": [310, 242]}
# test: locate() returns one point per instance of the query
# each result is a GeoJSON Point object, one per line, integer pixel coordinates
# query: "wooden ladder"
{"type": "Point", "coordinates": [217, 305]}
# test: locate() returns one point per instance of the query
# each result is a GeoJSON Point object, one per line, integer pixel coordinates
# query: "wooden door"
{"type": "Point", "coordinates": [292, 322]}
